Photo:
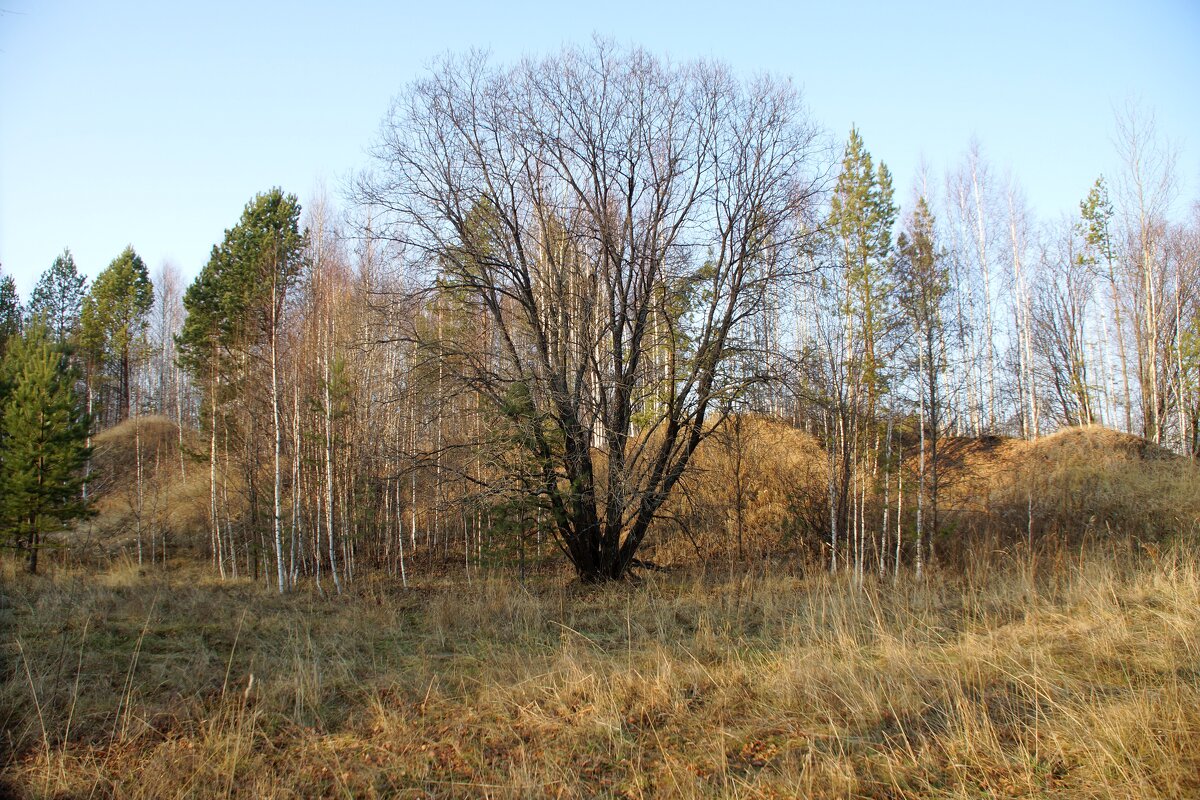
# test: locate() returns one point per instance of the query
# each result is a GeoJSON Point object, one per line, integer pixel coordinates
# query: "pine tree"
{"type": "Point", "coordinates": [923, 290]}
{"type": "Point", "coordinates": [58, 298]}
{"type": "Point", "coordinates": [114, 320]}
{"type": "Point", "coordinates": [10, 326]}
{"type": "Point", "coordinates": [1096, 216]}
{"type": "Point", "coordinates": [236, 305]}
{"type": "Point", "coordinates": [238, 295]}
{"type": "Point", "coordinates": [42, 451]}
{"type": "Point", "coordinates": [862, 216]}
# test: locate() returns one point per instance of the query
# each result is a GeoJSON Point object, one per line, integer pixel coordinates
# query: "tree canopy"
{"type": "Point", "coordinates": [568, 202]}
{"type": "Point", "coordinates": [10, 311]}
{"type": "Point", "coordinates": [236, 297]}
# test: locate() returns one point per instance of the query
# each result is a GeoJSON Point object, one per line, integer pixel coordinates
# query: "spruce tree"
{"type": "Point", "coordinates": [58, 298]}
{"type": "Point", "coordinates": [42, 450]}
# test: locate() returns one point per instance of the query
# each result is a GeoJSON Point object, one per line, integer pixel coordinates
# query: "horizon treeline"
{"type": "Point", "coordinates": [561, 276]}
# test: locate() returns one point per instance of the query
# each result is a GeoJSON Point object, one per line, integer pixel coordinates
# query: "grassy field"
{"type": "Point", "coordinates": [1066, 676]}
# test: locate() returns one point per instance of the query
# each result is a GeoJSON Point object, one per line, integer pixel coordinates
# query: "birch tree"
{"type": "Point", "coordinates": [1146, 189]}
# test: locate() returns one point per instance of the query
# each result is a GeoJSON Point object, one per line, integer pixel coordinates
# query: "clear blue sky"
{"type": "Point", "coordinates": [153, 123]}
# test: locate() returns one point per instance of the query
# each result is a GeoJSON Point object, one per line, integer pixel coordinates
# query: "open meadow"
{"type": "Point", "coordinates": [1072, 675]}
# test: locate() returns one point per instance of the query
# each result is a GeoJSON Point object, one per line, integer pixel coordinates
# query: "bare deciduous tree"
{"type": "Point", "coordinates": [580, 203]}
{"type": "Point", "coordinates": [1061, 313]}
{"type": "Point", "coordinates": [1146, 191]}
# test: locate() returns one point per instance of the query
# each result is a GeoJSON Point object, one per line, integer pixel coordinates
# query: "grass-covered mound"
{"type": "Point", "coordinates": [166, 504]}
{"type": "Point", "coordinates": [1078, 483]}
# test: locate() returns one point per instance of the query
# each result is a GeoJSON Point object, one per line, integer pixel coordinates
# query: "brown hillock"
{"type": "Point", "coordinates": [754, 487]}
{"type": "Point", "coordinates": [1077, 482]}
{"type": "Point", "coordinates": [174, 488]}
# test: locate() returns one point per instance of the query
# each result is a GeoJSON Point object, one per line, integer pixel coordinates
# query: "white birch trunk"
{"type": "Point", "coordinates": [278, 499]}
{"type": "Point", "coordinates": [921, 479]}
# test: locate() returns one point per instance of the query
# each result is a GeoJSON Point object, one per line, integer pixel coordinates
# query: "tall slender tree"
{"type": "Point", "coordinates": [1147, 189]}
{"type": "Point", "coordinates": [1061, 311]}
{"type": "Point", "coordinates": [862, 214]}
{"type": "Point", "coordinates": [237, 305]}
{"type": "Point", "coordinates": [924, 286]}
{"type": "Point", "coordinates": [10, 311]}
{"type": "Point", "coordinates": [1096, 215]}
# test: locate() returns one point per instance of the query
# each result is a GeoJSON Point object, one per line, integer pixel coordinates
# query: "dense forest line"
{"type": "Point", "coordinates": [557, 281]}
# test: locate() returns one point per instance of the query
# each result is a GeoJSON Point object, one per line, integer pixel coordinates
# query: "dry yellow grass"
{"type": "Point", "coordinates": [1004, 675]}
{"type": "Point", "coordinates": [1022, 678]}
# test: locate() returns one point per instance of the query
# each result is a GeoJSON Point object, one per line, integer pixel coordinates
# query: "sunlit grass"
{"type": "Point", "coordinates": [1071, 678]}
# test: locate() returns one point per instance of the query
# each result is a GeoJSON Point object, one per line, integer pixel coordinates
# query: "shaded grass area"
{"type": "Point", "coordinates": [1076, 677]}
